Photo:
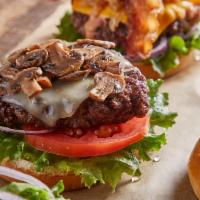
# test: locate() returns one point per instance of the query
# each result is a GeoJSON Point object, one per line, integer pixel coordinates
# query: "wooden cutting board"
{"type": "Point", "coordinates": [27, 21]}
{"type": "Point", "coordinates": [20, 20]}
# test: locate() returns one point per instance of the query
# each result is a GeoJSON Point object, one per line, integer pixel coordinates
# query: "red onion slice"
{"type": "Point", "coordinates": [8, 196]}
{"type": "Point", "coordinates": [24, 132]}
{"type": "Point", "coordinates": [160, 48]}
{"type": "Point", "coordinates": [5, 171]}
{"type": "Point", "coordinates": [195, 29]}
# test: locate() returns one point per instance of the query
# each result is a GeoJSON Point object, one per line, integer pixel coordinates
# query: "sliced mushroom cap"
{"type": "Point", "coordinates": [113, 67]}
{"type": "Point", "coordinates": [62, 61]}
{"type": "Point", "coordinates": [104, 62]}
{"type": "Point", "coordinates": [97, 63]}
{"type": "Point", "coordinates": [119, 65]}
{"type": "Point", "coordinates": [28, 74]}
{"type": "Point", "coordinates": [8, 72]}
{"type": "Point", "coordinates": [105, 44]}
{"type": "Point", "coordinates": [75, 76]}
{"type": "Point", "coordinates": [16, 54]}
{"type": "Point", "coordinates": [89, 51]}
{"type": "Point", "coordinates": [33, 58]}
{"type": "Point", "coordinates": [106, 84]}
{"type": "Point", "coordinates": [64, 44]}
{"type": "Point", "coordinates": [34, 47]}
{"type": "Point", "coordinates": [30, 87]}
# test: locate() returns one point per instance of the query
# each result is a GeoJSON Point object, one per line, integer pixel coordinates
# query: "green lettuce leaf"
{"type": "Point", "coordinates": [178, 44]}
{"type": "Point", "coordinates": [58, 189]}
{"type": "Point", "coordinates": [31, 192]}
{"type": "Point", "coordinates": [66, 30]}
{"type": "Point", "coordinates": [149, 144]}
{"type": "Point", "coordinates": [159, 113]}
{"type": "Point", "coordinates": [195, 43]}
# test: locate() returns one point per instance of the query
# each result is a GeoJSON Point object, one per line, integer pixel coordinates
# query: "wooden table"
{"type": "Point", "coordinates": [19, 19]}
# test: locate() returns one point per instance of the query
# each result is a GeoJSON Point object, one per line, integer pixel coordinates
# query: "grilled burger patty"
{"type": "Point", "coordinates": [116, 108]}
{"type": "Point", "coordinates": [133, 101]}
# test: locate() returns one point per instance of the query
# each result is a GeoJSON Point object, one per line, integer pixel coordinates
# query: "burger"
{"type": "Point", "coordinates": [157, 36]}
{"type": "Point", "coordinates": [193, 169]}
{"type": "Point", "coordinates": [78, 112]}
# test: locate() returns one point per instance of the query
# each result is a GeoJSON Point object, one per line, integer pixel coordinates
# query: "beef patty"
{"type": "Point", "coordinates": [133, 101]}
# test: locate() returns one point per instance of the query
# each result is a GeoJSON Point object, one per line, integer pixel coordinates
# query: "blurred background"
{"type": "Point", "coordinates": [19, 19]}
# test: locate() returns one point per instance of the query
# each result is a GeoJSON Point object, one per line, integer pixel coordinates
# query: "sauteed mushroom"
{"type": "Point", "coordinates": [75, 76]}
{"type": "Point", "coordinates": [62, 61]}
{"type": "Point", "coordinates": [106, 84]}
{"type": "Point", "coordinates": [89, 52]}
{"type": "Point", "coordinates": [25, 80]}
{"type": "Point", "coordinates": [8, 72]}
{"type": "Point", "coordinates": [38, 66]}
{"type": "Point", "coordinates": [16, 54]}
{"type": "Point", "coordinates": [104, 44]}
{"type": "Point", "coordinates": [30, 87]}
{"type": "Point", "coordinates": [33, 58]}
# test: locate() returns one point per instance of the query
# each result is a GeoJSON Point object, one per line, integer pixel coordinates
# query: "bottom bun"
{"type": "Point", "coordinates": [194, 169]}
{"type": "Point", "coordinates": [149, 72]}
{"type": "Point", "coordinates": [71, 181]}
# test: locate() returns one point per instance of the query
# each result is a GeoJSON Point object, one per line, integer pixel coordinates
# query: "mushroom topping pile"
{"type": "Point", "coordinates": [35, 68]}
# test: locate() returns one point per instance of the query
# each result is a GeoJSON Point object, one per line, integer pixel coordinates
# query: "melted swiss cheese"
{"type": "Point", "coordinates": [60, 101]}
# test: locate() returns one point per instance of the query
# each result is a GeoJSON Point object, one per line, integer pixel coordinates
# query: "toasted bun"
{"type": "Point", "coordinates": [194, 169]}
{"type": "Point", "coordinates": [148, 71]}
{"type": "Point", "coordinates": [71, 181]}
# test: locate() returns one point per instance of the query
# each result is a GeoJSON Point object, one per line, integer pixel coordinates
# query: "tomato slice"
{"type": "Point", "coordinates": [89, 144]}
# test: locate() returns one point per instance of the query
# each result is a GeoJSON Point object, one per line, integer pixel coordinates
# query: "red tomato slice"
{"type": "Point", "coordinates": [89, 144]}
